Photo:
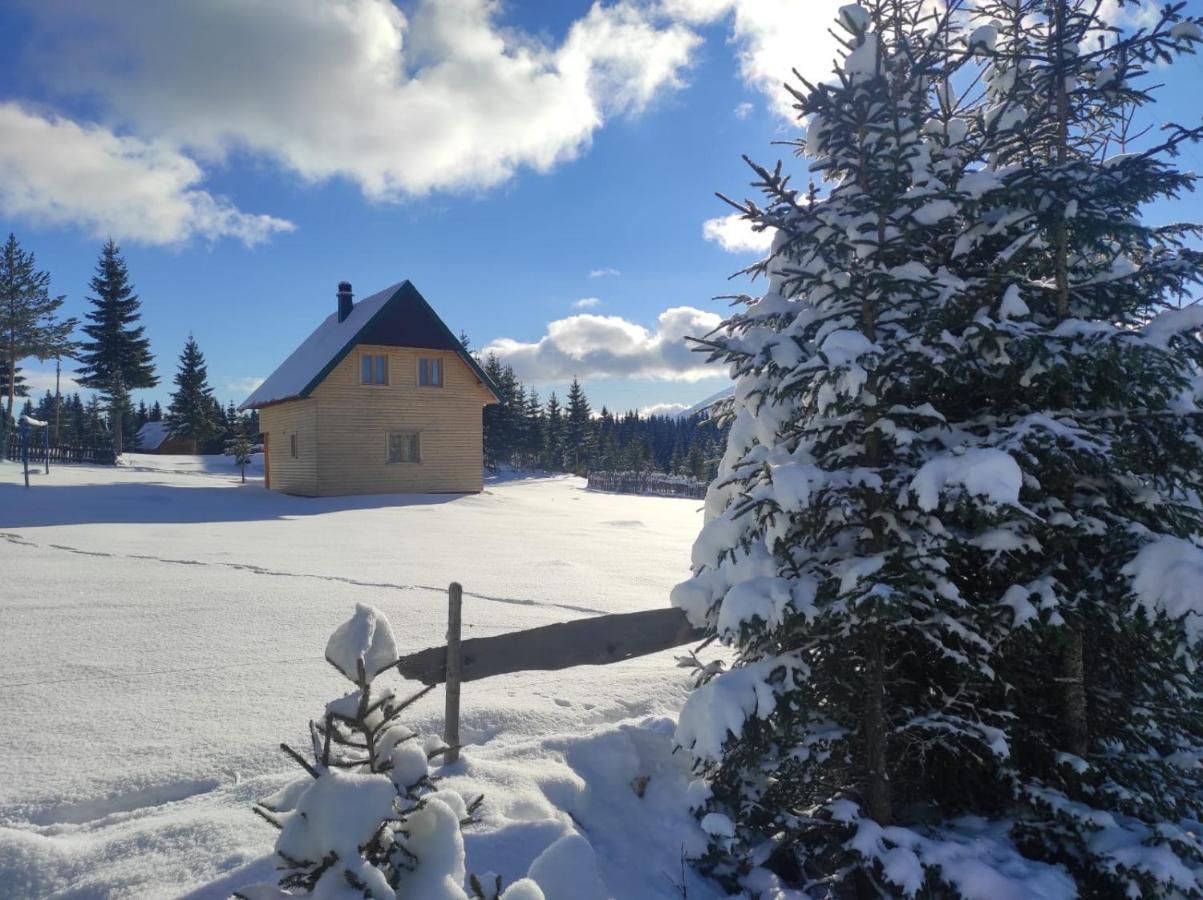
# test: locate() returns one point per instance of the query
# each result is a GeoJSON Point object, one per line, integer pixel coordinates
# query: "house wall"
{"type": "Point", "coordinates": [280, 422]}
{"type": "Point", "coordinates": [354, 421]}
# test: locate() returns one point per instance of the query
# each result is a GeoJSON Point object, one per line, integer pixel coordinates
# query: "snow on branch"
{"type": "Point", "coordinates": [981, 471]}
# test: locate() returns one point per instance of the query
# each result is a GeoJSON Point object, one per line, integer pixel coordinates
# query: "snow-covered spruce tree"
{"type": "Point", "coordinates": [239, 447]}
{"type": "Point", "coordinates": [368, 821]}
{"type": "Point", "coordinates": [956, 447]}
{"type": "Point", "coordinates": [116, 358]}
{"type": "Point", "coordinates": [191, 412]}
{"type": "Point", "coordinates": [1081, 369]}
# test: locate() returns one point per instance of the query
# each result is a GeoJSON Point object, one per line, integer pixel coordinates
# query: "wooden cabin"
{"type": "Point", "coordinates": [380, 398]}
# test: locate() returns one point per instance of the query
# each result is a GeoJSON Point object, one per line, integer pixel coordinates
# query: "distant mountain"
{"type": "Point", "coordinates": [699, 408]}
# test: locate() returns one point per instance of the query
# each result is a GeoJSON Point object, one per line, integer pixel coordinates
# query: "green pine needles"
{"type": "Point", "coordinates": [955, 540]}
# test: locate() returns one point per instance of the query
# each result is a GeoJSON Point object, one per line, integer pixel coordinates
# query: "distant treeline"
{"type": "Point", "coordinates": [86, 423]}
{"type": "Point", "coordinates": [524, 432]}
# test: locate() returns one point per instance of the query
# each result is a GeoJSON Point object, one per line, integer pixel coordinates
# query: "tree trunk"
{"type": "Point", "coordinates": [1073, 657]}
{"type": "Point", "coordinates": [58, 397]}
{"type": "Point", "coordinates": [116, 416]}
{"type": "Point", "coordinates": [1073, 693]}
{"type": "Point", "coordinates": [877, 783]}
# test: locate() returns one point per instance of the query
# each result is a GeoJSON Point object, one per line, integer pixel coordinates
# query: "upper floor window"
{"type": "Point", "coordinates": [292, 445]}
{"type": "Point", "coordinates": [373, 369]}
{"type": "Point", "coordinates": [430, 372]}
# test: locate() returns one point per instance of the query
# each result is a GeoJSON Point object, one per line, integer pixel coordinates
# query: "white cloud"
{"type": "Point", "coordinates": [1128, 15]}
{"type": "Point", "coordinates": [603, 272]}
{"type": "Point", "coordinates": [744, 110]}
{"type": "Point", "coordinates": [592, 346]}
{"type": "Point", "coordinates": [244, 386]}
{"type": "Point", "coordinates": [772, 37]}
{"type": "Point", "coordinates": [735, 235]}
{"type": "Point", "coordinates": [663, 409]}
{"type": "Point", "coordinates": [441, 96]}
{"type": "Point", "coordinates": [39, 381]}
{"type": "Point", "coordinates": [587, 303]}
{"type": "Point", "coordinates": [56, 171]}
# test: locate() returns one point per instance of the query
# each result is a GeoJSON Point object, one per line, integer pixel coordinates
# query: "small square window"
{"type": "Point", "coordinates": [404, 447]}
{"type": "Point", "coordinates": [292, 445]}
{"type": "Point", "coordinates": [373, 369]}
{"type": "Point", "coordinates": [430, 372]}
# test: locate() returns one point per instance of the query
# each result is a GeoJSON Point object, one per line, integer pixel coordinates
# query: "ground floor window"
{"type": "Point", "coordinates": [404, 447]}
{"type": "Point", "coordinates": [292, 445]}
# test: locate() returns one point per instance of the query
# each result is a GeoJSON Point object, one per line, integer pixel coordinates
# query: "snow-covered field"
{"type": "Point", "coordinates": [163, 630]}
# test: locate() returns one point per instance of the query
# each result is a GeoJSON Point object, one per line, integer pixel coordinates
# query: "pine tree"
{"type": "Point", "coordinates": [553, 435]}
{"type": "Point", "coordinates": [27, 319]}
{"type": "Point", "coordinates": [962, 469]}
{"type": "Point", "coordinates": [117, 357]}
{"type": "Point", "coordinates": [1093, 409]}
{"type": "Point", "coordinates": [93, 431]}
{"type": "Point", "coordinates": [532, 430]}
{"type": "Point", "coordinates": [156, 412]}
{"type": "Point", "coordinates": [239, 447]}
{"type": "Point", "coordinates": [578, 429]}
{"type": "Point", "coordinates": [10, 386]}
{"type": "Point", "coordinates": [190, 415]}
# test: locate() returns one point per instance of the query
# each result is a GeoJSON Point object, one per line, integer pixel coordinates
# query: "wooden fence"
{"type": "Point", "coordinates": [100, 456]}
{"type": "Point", "coordinates": [648, 483]}
{"type": "Point", "coordinates": [596, 641]}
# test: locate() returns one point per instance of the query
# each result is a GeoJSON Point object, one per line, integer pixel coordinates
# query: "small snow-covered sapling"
{"type": "Point", "coordinates": [367, 820]}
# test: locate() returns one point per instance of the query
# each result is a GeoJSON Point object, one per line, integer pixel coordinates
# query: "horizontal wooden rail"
{"type": "Point", "coordinates": [584, 642]}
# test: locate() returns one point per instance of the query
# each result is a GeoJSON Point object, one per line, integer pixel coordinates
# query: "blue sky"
{"type": "Point", "coordinates": [248, 156]}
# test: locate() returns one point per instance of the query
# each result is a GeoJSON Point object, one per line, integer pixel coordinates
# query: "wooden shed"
{"type": "Point", "coordinates": [380, 398]}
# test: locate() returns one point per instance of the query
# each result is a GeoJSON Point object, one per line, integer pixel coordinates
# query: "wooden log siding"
{"type": "Point", "coordinates": [299, 418]}
{"type": "Point", "coordinates": [354, 421]}
{"type": "Point", "coordinates": [657, 483]}
{"type": "Point", "coordinates": [584, 642]}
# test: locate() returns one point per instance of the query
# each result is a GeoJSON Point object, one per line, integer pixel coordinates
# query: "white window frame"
{"type": "Point", "coordinates": [388, 448]}
{"type": "Point", "coordinates": [434, 363]}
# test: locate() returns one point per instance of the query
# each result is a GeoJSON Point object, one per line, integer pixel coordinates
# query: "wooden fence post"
{"type": "Point", "coordinates": [455, 670]}
{"type": "Point", "coordinates": [25, 451]}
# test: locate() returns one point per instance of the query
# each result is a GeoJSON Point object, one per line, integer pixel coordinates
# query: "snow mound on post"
{"type": "Point", "coordinates": [981, 471]}
{"type": "Point", "coordinates": [1167, 577]}
{"type": "Point", "coordinates": [854, 17]}
{"type": "Point", "coordinates": [366, 636]}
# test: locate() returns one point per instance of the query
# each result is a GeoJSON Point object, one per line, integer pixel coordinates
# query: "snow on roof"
{"type": "Point", "coordinates": [151, 435]}
{"type": "Point", "coordinates": [316, 351]}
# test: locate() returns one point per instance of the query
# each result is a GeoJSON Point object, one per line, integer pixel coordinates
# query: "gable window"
{"type": "Point", "coordinates": [373, 368]}
{"type": "Point", "coordinates": [292, 445]}
{"type": "Point", "coordinates": [430, 372]}
{"type": "Point", "coordinates": [404, 447]}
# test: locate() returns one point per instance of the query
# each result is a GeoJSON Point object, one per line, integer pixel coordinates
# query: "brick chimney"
{"type": "Point", "coordinates": [345, 303]}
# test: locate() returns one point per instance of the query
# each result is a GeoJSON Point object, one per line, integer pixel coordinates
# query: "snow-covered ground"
{"type": "Point", "coordinates": [163, 631]}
